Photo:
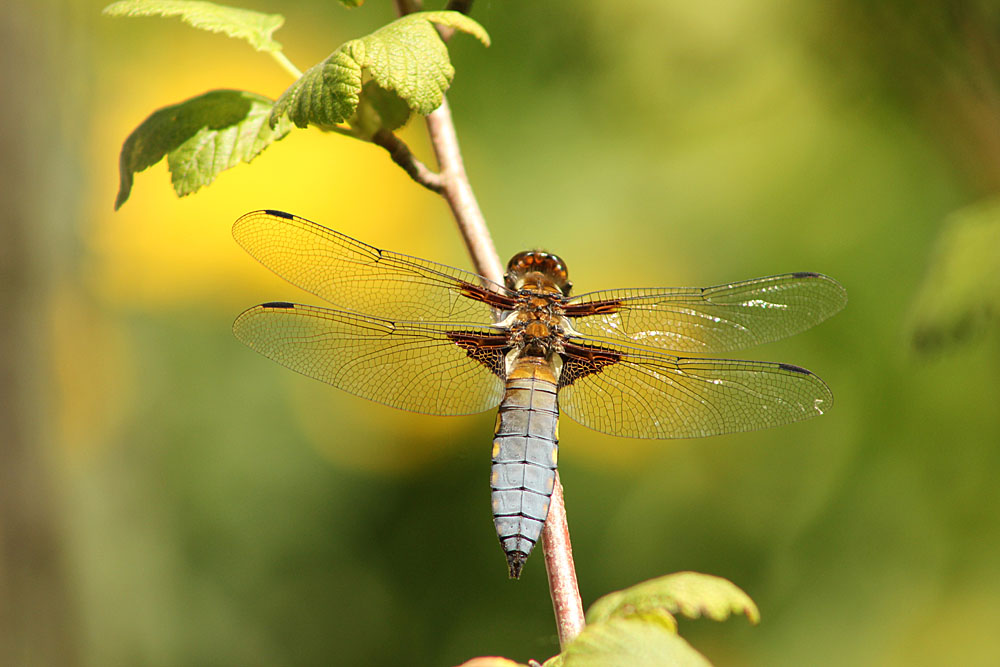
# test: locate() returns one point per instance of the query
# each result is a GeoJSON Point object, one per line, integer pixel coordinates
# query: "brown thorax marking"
{"type": "Point", "coordinates": [541, 282]}
{"type": "Point", "coordinates": [535, 325]}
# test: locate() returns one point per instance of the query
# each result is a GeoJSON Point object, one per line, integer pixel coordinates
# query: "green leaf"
{"type": "Point", "coordinates": [631, 642]}
{"type": "Point", "coordinates": [688, 593]}
{"type": "Point", "coordinates": [406, 57]}
{"type": "Point", "coordinates": [254, 27]}
{"type": "Point", "coordinates": [201, 137]}
{"type": "Point", "coordinates": [960, 295]}
{"type": "Point", "coordinates": [352, 3]}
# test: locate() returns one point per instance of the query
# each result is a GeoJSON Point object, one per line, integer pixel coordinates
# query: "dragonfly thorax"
{"type": "Point", "coordinates": [536, 327]}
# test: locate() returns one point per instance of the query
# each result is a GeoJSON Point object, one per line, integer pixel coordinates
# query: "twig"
{"type": "Point", "coordinates": [286, 64]}
{"type": "Point", "coordinates": [458, 192]}
{"type": "Point", "coordinates": [563, 587]}
{"type": "Point", "coordinates": [456, 188]}
{"type": "Point", "coordinates": [401, 155]}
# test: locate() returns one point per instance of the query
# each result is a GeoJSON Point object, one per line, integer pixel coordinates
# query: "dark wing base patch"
{"type": "Point", "coordinates": [579, 361]}
{"type": "Point", "coordinates": [490, 351]}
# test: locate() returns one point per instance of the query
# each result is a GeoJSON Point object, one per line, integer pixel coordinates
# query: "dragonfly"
{"type": "Point", "coordinates": [430, 338]}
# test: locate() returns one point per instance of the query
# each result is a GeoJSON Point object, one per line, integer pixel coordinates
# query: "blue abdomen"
{"type": "Point", "coordinates": [525, 449]}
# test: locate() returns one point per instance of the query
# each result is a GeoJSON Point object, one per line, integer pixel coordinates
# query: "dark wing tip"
{"type": "Point", "coordinates": [277, 304]}
{"type": "Point", "coordinates": [515, 561]}
{"type": "Point", "coordinates": [250, 221]}
{"type": "Point", "coordinates": [812, 275]}
{"type": "Point", "coordinates": [795, 369]}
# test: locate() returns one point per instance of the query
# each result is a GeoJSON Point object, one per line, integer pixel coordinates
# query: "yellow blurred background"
{"type": "Point", "coordinates": [167, 497]}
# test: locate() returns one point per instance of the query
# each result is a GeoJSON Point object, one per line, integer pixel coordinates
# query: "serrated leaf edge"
{"type": "Point", "coordinates": [260, 40]}
{"type": "Point", "coordinates": [196, 143]}
{"type": "Point", "coordinates": [338, 101]}
{"type": "Point", "coordinates": [621, 603]}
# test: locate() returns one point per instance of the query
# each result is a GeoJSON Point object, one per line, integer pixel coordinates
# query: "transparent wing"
{"type": "Point", "coordinates": [362, 278]}
{"type": "Point", "coordinates": [644, 394]}
{"type": "Point", "coordinates": [708, 319]}
{"type": "Point", "coordinates": [422, 367]}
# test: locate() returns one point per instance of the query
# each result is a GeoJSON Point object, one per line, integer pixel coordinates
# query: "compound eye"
{"type": "Point", "coordinates": [518, 263]}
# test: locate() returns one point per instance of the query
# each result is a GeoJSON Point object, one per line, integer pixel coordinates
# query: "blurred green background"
{"type": "Point", "coordinates": [167, 497]}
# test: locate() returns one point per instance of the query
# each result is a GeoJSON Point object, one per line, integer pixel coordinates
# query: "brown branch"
{"type": "Point", "coordinates": [458, 193]}
{"type": "Point", "coordinates": [401, 155]}
{"type": "Point", "coordinates": [457, 190]}
{"type": "Point", "coordinates": [563, 587]}
{"type": "Point", "coordinates": [556, 545]}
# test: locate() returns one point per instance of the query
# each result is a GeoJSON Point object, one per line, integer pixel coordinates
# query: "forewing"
{"type": "Point", "coordinates": [422, 367]}
{"type": "Point", "coordinates": [708, 319]}
{"type": "Point", "coordinates": [359, 277]}
{"type": "Point", "coordinates": [643, 394]}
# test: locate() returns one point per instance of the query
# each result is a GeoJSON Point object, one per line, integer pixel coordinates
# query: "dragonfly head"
{"type": "Point", "coordinates": [537, 269]}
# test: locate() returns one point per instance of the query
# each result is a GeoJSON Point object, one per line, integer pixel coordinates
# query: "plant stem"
{"type": "Point", "coordinates": [401, 155]}
{"type": "Point", "coordinates": [457, 190]}
{"type": "Point", "coordinates": [563, 588]}
{"type": "Point", "coordinates": [286, 64]}
{"type": "Point", "coordinates": [556, 545]}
